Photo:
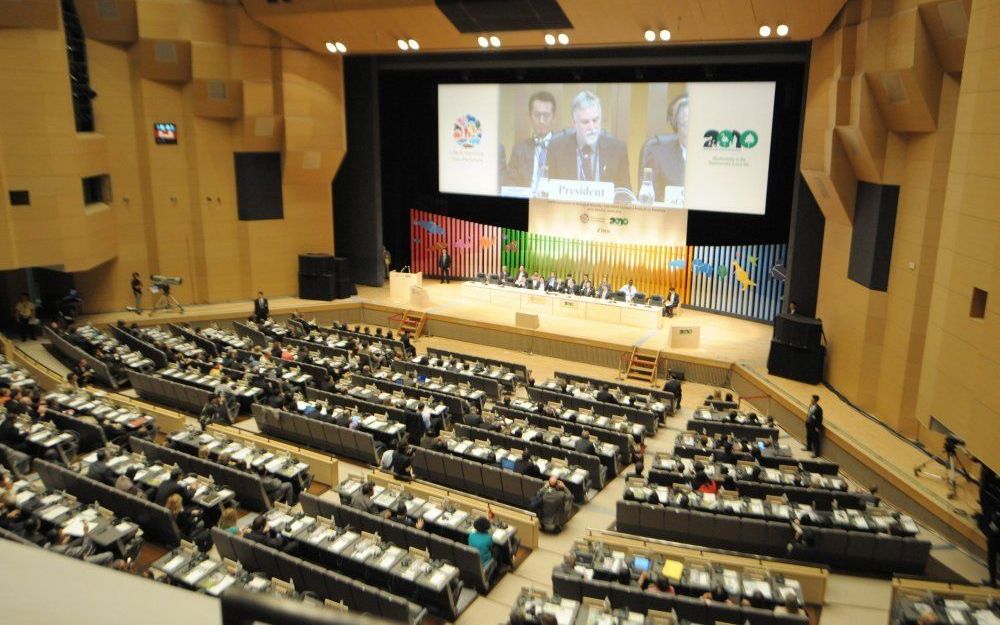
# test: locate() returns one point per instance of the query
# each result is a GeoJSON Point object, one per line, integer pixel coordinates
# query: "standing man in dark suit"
{"type": "Point", "coordinates": [673, 385]}
{"type": "Point", "coordinates": [814, 427]}
{"type": "Point", "coordinates": [529, 157]}
{"type": "Point", "coordinates": [586, 152]}
{"type": "Point", "coordinates": [666, 155]}
{"type": "Point", "coordinates": [261, 310]}
{"type": "Point", "coordinates": [444, 266]}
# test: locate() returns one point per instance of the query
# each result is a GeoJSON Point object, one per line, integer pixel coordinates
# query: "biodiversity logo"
{"type": "Point", "coordinates": [731, 139]}
{"type": "Point", "coordinates": [467, 131]}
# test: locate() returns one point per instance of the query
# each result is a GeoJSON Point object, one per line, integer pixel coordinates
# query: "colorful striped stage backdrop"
{"type": "Point", "coordinates": [731, 279]}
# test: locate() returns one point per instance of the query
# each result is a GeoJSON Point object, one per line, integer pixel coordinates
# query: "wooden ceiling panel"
{"type": "Point", "coordinates": [373, 26]}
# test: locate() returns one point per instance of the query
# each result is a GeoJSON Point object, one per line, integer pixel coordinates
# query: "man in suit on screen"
{"type": "Point", "coordinates": [585, 152]}
{"type": "Point", "coordinates": [529, 157]}
{"type": "Point", "coordinates": [666, 155]}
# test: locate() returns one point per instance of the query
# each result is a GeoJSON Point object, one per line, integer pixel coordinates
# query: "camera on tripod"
{"type": "Point", "coordinates": [952, 443]}
{"type": "Point", "coordinates": [161, 285]}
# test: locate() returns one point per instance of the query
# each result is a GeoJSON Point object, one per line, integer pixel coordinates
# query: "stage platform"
{"type": "Point", "coordinates": [733, 353]}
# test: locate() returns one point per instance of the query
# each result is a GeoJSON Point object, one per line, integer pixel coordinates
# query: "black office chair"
{"type": "Point", "coordinates": [618, 296]}
{"type": "Point", "coordinates": [655, 300]}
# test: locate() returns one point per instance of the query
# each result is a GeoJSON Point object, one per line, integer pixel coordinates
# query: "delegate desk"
{"type": "Point", "coordinates": [708, 421]}
{"type": "Point", "coordinates": [454, 403]}
{"type": "Point", "coordinates": [395, 398]}
{"type": "Point", "coordinates": [631, 389]}
{"type": "Point", "coordinates": [612, 456]}
{"type": "Point", "coordinates": [767, 453]}
{"type": "Point", "coordinates": [582, 417]}
{"type": "Point", "coordinates": [577, 480]}
{"type": "Point", "coordinates": [433, 584]}
{"type": "Point", "coordinates": [488, 386]}
{"type": "Point", "coordinates": [439, 517]}
{"type": "Point", "coordinates": [15, 378]}
{"type": "Point", "coordinates": [59, 510]}
{"type": "Point", "coordinates": [647, 402]}
{"type": "Point", "coordinates": [560, 305]}
{"type": "Point", "coordinates": [226, 452]}
{"type": "Point", "coordinates": [650, 419]}
{"type": "Point", "coordinates": [623, 442]}
{"type": "Point", "coordinates": [519, 370]}
{"type": "Point", "coordinates": [460, 392]}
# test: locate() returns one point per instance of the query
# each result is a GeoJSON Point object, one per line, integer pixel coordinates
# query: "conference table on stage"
{"type": "Point", "coordinates": [561, 305]}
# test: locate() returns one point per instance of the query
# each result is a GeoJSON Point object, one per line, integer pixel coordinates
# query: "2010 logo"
{"type": "Point", "coordinates": [467, 131]}
{"type": "Point", "coordinates": [731, 139]}
{"type": "Point", "coordinates": [618, 221]}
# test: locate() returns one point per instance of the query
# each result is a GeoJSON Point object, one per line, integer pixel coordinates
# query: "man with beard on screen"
{"type": "Point", "coordinates": [585, 152]}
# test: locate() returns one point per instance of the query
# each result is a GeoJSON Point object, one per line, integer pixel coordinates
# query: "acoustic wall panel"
{"type": "Point", "coordinates": [871, 238]}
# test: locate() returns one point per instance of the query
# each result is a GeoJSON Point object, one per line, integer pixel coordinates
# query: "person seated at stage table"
{"type": "Point", "coordinates": [569, 286]}
{"type": "Point", "coordinates": [586, 286]}
{"type": "Point", "coordinates": [604, 289]}
{"type": "Point", "coordinates": [537, 284]}
{"type": "Point", "coordinates": [504, 276]}
{"type": "Point", "coordinates": [553, 283]}
{"type": "Point", "coordinates": [522, 277]}
{"type": "Point", "coordinates": [671, 303]}
{"type": "Point", "coordinates": [629, 290]}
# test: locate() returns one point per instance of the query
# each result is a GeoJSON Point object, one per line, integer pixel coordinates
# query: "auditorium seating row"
{"type": "Point", "coordinates": [739, 430]}
{"type": "Point", "coordinates": [634, 415]}
{"type": "Point", "coordinates": [455, 404]}
{"type": "Point", "coordinates": [464, 557]}
{"type": "Point", "coordinates": [256, 336]}
{"type": "Point", "coordinates": [688, 609]}
{"type": "Point", "coordinates": [588, 462]}
{"type": "Point", "coordinates": [206, 344]}
{"type": "Point", "coordinates": [812, 465]}
{"type": "Point", "coordinates": [168, 392]}
{"type": "Point", "coordinates": [154, 520]}
{"type": "Point", "coordinates": [368, 407]}
{"type": "Point", "coordinates": [247, 486]}
{"type": "Point", "coordinates": [818, 498]}
{"type": "Point", "coordinates": [146, 349]}
{"type": "Point", "coordinates": [320, 374]}
{"type": "Point", "coordinates": [867, 551]}
{"type": "Point", "coordinates": [11, 536]}
{"type": "Point", "coordinates": [327, 584]}
{"type": "Point", "coordinates": [316, 434]}
{"type": "Point", "coordinates": [394, 344]}
{"type": "Point", "coordinates": [19, 463]}
{"type": "Point", "coordinates": [664, 396]}
{"type": "Point", "coordinates": [622, 439]}
{"type": "Point", "coordinates": [492, 388]}
{"type": "Point", "coordinates": [477, 478]}
{"type": "Point", "coordinates": [91, 435]}
{"type": "Point", "coordinates": [521, 371]}
{"type": "Point", "coordinates": [101, 371]}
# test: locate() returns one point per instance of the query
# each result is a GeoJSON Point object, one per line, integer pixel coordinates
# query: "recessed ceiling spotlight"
{"type": "Point", "coordinates": [782, 30]}
{"type": "Point", "coordinates": [331, 47]}
{"type": "Point", "coordinates": [495, 41]}
{"type": "Point", "coordinates": [664, 35]}
{"type": "Point", "coordinates": [563, 38]}
{"type": "Point", "coordinates": [550, 39]}
{"type": "Point", "coordinates": [483, 42]}
{"type": "Point", "coordinates": [649, 35]}
{"type": "Point", "coordinates": [413, 44]}
{"type": "Point", "coordinates": [402, 44]}
{"type": "Point", "coordinates": [765, 31]}
{"type": "Point", "coordinates": [341, 47]}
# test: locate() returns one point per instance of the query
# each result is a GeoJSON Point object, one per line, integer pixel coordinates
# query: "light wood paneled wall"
{"type": "Point", "coordinates": [173, 208]}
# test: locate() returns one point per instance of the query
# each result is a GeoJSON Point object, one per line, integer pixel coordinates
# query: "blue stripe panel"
{"type": "Point", "coordinates": [715, 285]}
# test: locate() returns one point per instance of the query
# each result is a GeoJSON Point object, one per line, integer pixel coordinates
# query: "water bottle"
{"type": "Point", "coordinates": [541, 189]}
{"type": "Point", "coordinates": [646, 193]}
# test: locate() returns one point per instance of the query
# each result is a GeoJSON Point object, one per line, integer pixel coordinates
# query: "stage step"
{"type": "Point", "coordinates": [413, 322]}
{"type": "Point", "coordinates": [642, 365]}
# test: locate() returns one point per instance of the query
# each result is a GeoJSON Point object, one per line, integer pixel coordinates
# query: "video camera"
{"type": "Point", "coordinates": [952, 443]}
{"type": "Point", "coordinates": [159, 280]}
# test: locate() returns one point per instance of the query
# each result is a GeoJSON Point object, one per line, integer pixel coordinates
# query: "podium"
{"type": "Point", "coordinates": [400, 285]}
{"type": "Point", "coordinates": [685, 337]}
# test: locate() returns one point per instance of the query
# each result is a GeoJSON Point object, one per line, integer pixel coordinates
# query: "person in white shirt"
{"type": "Point", "coordinates": [629, 290]}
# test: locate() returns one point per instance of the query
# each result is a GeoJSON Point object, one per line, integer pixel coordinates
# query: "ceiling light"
{"type": "Point", "coordinates": [782, 30]}
{"type": "Point", "coordinates": [495, 41]}
{"type": "Point", "coordinates": [341, 47]}
{"type": "Point", "coordinates": [650, 35]}
{"type": "Point", "coordinates": [664, 35]}
{"type": "Point", "coordinates": [402, 44]}
{"type": "Point", "coordinates": [765, 31]}
{"type": "Point", "coordinates": [331, 47]}
{"type": "Point", "coordinates": [413, 44]}
{"type": "Point", "coordinates": [563, 38]}
{"type": "Point", "coordinates": [550, 39]}
{"type": "Point", "coordinates": [483, 42]}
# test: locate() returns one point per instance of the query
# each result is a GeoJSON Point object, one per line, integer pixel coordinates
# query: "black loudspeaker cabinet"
{"type": "Point", "coordinates": [798, 330]}
{"type": "Point", "coordinates": [317, 287]}
{"type": "Point", "coordinates": [345, 288]}
{"type": "Point", "coordinates": [796, 363]}
{"type": "Point", "coordinates": [317, 265]}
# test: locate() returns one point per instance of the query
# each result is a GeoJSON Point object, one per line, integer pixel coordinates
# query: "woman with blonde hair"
{"type": "Point", "coordinates": [228, 520]}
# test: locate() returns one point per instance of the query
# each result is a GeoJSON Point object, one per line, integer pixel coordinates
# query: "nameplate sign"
{"type": "Point", "coordinates": [582, 191]}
